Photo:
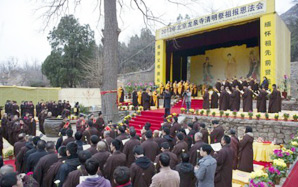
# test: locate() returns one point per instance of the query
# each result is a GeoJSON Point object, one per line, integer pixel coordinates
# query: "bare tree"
{"type": "Point", "coordinates": [93, 71]}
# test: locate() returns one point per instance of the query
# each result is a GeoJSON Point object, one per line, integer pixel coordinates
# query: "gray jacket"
{"type": "Point", "coordinates": [206, 172]}
{"type": "Point", "coordinates": [187, 97]}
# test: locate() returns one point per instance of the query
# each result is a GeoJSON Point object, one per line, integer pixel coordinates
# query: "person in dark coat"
{"type": "Point", "coordinates": [19, 144]}
{"type": "Point", "coordinates": [92, 179]}
{"type": "Point", "coordinates": [205, 100]}
{"type": "Point", "coordinates": [166, 136]}
{"type": "Point", "coordinates": [165, 148]}
{"type": "Point", "coordinates": [91, 130]}
{"type": "Point", "coordinates": [205, 133]}
{"type": "Point", "coordinates": [186, 171]}
{"type": "Point", "coordinates": [49, 177]}
{"type": "Point", "coordinates": [28, 153]}
{"type": "Point", "coordinates": [93, 142]}
{"type": "Point", "coordinates": [218, 85]}
{"type": "Point", "coordinates": [193, 152]}
{"type": "Point", "coordinates": [129, 147]}
{"type": "Point", "coordinates": [151, 148]}
{"type": "Point", "coordinates": [122, 134]}
{"type": "Point", "coordinates": [122, 177]}
{"type": "Point", "coordinates": [69, 138]}
{"type": "Point", "coordinates": [274, 100]}
{"type": "Point", "coordinates": [107, 138]}
{"type": "Point", "coordinates": [262, 100]}
{"type": "Point", "coordinates": [35, 157]}
{"type": "Point", "coordinates": [100, 124]}
{"type": "Point", "coordinates": [45, 163]}
{"type": "Point", "coordinates": [224, 99]}
{"type": "Point", "coordinates": [167, 102]}
{"type": "Point", "coordinates": [115, 160]}
{"type": "Point", "coordinates": [235, 147]}
{"type": "Point", "coordinates": [135, 98]}
{"type": "Point", "coordinates": [102, 155]}
{"type": "Point", "coordinates": [145, 100]}
{"type": "Point", "coordinates": [217, 133]}
{"type": "Point", "coordinates": [214, 98]}
{"type": "Point", "coordinates": [235, 99]}
{"type": "Point", "coordinates": [224, 159]}
{"type": "Point", "coordinates": [265, 83]}
{"type": "Point", "coordinates": [73, 178]}
{"type": "Point", "coordinates": [156, 137]}
{"type": "Point", "coordinates": [60, 139]}
{"type": "Point", "coordinates": [246, 151]}
{"type": "Point", "coordinates": [142, 170]}
{"type": "Point", "coordinates": [181, 146]}
{"type": "Point", "coordinates": [247, 100]}
{"type": "Point", "coordinates": [71, 163]}
{"type": "Point", "coordinates": [78, 140]}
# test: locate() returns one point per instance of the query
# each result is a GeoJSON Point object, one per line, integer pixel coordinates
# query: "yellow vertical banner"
{"type": "Point", "coordinates": [160, 62]}
{"type": "Point", "coordinates": [268, 45]}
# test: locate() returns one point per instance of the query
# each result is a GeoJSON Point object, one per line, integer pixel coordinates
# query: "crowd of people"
{"type": "Point", "coordinates": [114, 155]}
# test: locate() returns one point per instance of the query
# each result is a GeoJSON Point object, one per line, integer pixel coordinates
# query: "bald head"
{"type": "Point", "coordinates": [198, 136]}
{"type": "Point", "coordinates": [6, 169]}
{"type": "Point", "coordinates": [21, 136]}
{"type": "Point", "coordinates": [155, 133]}
{"type": "Point", "coordinates": [101, 146]}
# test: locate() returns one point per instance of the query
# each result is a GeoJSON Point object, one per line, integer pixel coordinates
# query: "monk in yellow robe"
{"type": "Point", "coordinates": [175, 88]}
{"type": "Point", "coordinates": [168, 86]}
{"type": "Point", "coordinates": [161, 88]}
{"type": "Point", "coordinates": [186, 85]}
{"type": "Point", "coordinates": [195, 90]}
{"type": "Point", "coordinates": [155, 99]}
{"type": "Point", "coordinates": [120, 95]}
{"type": "Point", "coordinates": [180, 88]}
{"type": "Point", "coordinates": [140, 97]}
{"type": "Point", "coordinates": [191, 88]}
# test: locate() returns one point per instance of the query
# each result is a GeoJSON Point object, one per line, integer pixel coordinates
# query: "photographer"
{"type": "Point", "coordinates": [187, 99]}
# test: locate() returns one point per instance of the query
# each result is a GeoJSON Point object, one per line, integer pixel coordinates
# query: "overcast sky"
{"type": "Point", "coordinates": [22, 35]}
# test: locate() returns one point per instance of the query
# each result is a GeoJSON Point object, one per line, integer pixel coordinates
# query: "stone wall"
{"type": "Point", "coordinates": [268, 130]}
{"type": "Point", "coordinates": [294, 80]}
{"type": "Point", "coordinates": [145, 76]}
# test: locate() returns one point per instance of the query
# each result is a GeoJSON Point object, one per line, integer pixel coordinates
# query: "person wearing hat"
{"type": "Point", "coordinates": [217, 133]}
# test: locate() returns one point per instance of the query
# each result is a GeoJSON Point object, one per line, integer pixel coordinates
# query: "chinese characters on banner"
{"type": "Point", "coordinates": [268, 48]}
{"type": "Point", "coordinates": [159, 61]}
{"type": "Point", "coordinates": [224, 16]}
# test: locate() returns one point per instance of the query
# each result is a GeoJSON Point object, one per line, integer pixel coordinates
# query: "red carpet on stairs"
{"type": "Point", "coordinates": [292, 179]}
{"type": "Point", "coordinates": [156, 117]}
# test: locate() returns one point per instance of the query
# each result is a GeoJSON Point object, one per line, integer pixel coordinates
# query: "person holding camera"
{"type": "Point", "coordinates": [187, 99]}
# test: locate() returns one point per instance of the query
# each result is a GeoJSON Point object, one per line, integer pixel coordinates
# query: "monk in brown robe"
{"type": "Point", "coordinates": [145, 100]}
{"type": "Point", "coordinates": [135, 98]}
{"type": "Point", "coordinates": [91, 130]}
{"type": "Point", "coordinates": [235, 147]}
{"type": "Point", "coordinates": [180, 147]}
{"type": "Point", "coordinates": [224, 99]}
{"type": "Point", "coordinates": [19, 162]}
{"type": "Point", "coordinates": [129, 146]}
{"type": "Point", "coordinates": [94, 139]}
{"type": "Point", "coordinates": [274, 100]}
{"type": "Point", "coordinates": [205, 133]}
{"type": "Point", "coordinates": [206, 100]}
{"type": "Point", "coordinates": [261, 100]}
{"type": "Point", "coordinates": [69, 138]}
{"type": "Point", "coordinates": [115, 160]}
{"type": "Point", "coordinates": [45, 163]}
{"type": "Point", "coordinates": [247, 100]}
{"type": "Point", "coordinates": [218, 85]}
{"type": "Point", "coordinates": [224, 169]}
{"type": "Point", "coordinates": [214, 98]}
{"type": "Point", "coordinates": [151, 148]}
{"type": "Point", "coordinates": [73, 178]}
{"type": "Point", "coordinates": [19, 144]}
{"type": "Point", "coordinates": [193, 152]}
{"type": "Point", "coordinates": [100, 124]}
{"type": "Point", "coordinates": [49, 178]}
{"type": "Point", "coordinates": [102, 155]}
{"type": "Point", "coordinates": [246, 151]}
{"type": "Point", "coordinates": [195, 90]}
{"type": "Point", "coordinates": [217, 133]}
{"type": "Point", "coordinates": [235, 99]}
{"type": "Point", "coordinates": [165, 148]}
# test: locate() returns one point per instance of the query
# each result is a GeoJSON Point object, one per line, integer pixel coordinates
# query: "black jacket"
{"type": "Point", "coordinates": [33, 159]}
{"type": "Point", "coordinates": [186, 173]}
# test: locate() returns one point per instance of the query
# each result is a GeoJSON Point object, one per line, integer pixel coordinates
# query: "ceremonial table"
{"type": "Point", "coordinates": [240, 178]}
{"type": "Point", "coordinates": [263, 151]}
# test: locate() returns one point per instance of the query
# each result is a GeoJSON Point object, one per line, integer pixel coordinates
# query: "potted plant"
{"type": "Point", "coordinates": [197, 112]}
{"type": "Point", "coordinates": [221, 113]}
{"type": "Point", "coordinates": [276, 116]}
{"type": "Point", "coordinates": [250, 115]}
{"type": "Point", "coordinates": [227, 114]}
{"type": "Point", "coordinates": [139, 112]}
{"type": "Point", "coordinates": [134, 115]}
{"type": "Point", "coordinates": [259, 178]}
{"type": "Point", "coordinates": [274, 175]}
{"type": "Point", "coordinates": [281, 166]}
{"type": "Point", "coordinates": [258, 116]}
{"type": "Point", "coordinates": [208, 112]}
{"type": "Point", "coordinates": [286, 116]}
{"type": "Point", "coordinates": [192, 111]}
{"type": "Point", "coordinates": [267, 116]}
{"type": "Point", "coordinates": [242, 116]}
{"type": "Point", "coordinates": [213, 114]}
{"type": "Point", "coordinates": [182, 110]}
{"type": "Point", "coordinates": [202, 112]}
{"type": "Point", "coordinates": [295, 117]}
{"type": "Point", "coordinates": [235, 114]}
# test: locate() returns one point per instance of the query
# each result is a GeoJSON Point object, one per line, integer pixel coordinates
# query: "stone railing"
{"type": "Point", "coordinates": [269, 130]}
